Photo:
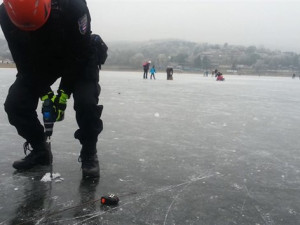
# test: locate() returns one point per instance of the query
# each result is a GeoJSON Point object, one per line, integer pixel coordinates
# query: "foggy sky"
{"type": "Point", "coordinates": [268, 23]}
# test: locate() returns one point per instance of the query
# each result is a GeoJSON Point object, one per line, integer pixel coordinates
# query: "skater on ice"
{"type": "Point", "coordinates": [152, 72]}
{"type": "Point", "coordinates": [48, 40]}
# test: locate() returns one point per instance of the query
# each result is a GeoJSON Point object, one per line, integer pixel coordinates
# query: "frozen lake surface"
{"type": "Point", "coordinates": [187, 151]}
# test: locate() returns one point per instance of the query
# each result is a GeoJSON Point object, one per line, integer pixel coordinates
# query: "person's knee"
{"type": "Point", "coordinates": [88, 109]}
{"type": "Point", "coordinates": [13, 110]}
{"type": "Point", "coordinates": [90, 124]}
{"type": "Point", "coordinates": [11, 106]}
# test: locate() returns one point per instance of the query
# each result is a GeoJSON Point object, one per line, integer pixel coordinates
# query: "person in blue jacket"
{"type": "Point", "coordinates": [152, 72]}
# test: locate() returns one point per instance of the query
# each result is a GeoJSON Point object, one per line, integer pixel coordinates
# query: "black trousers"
{"type": "Point", "coordinates": [21, 104]}
{"type": "Point", "coordinates": [145, 74]}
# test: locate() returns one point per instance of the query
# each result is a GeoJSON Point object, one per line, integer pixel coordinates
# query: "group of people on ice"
{"type": "Point", "coordinates": [146, 66]}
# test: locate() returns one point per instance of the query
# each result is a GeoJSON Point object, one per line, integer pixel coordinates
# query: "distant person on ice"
{"type": "Point", "coordinates": [216, 72]}
{"type": "Point", "coordinates": [146, 66]}
{"type": "Point", "coordinates": [169, 73]}
{"type": "Point", "coordinates": [48, 40]}
{"type": "Point", "coordinates": [152, 72]}
{"type": "Point", "coordinates": [220, 77]}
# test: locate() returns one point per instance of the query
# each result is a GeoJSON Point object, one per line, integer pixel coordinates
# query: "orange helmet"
{"type": "Point", "coordinates": [28, 15]}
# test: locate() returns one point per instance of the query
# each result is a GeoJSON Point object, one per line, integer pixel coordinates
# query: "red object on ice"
{"type": "Point", "coordinates": [220, 78]}
{"type": "Point", "coordinates": [109, 200]}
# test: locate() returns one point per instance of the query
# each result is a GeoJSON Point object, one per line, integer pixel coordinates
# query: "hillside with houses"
{"type": "Point", "coordinates": [186, 56]}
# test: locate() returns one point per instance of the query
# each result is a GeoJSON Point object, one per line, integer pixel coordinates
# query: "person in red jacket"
{"type": "Point", "coordinates": [48, 40]}
{"type": "Point", "coordinates": [220, 77]}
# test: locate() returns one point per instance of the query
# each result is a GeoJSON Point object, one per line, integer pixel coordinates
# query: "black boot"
{"type": "Point", "coordinates": [40, 155]}
{"type": "Point", "coordinates": [90, 166]}
{"type": "Point", "coordinates": [89, 160]}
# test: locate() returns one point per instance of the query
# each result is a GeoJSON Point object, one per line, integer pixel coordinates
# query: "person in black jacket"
{"type": "Point", "coordinates": [48, 40]}
{"type": "Point", "coordinates": [146, 66]}
{"type": "Point", "coordinates": [169, 73]}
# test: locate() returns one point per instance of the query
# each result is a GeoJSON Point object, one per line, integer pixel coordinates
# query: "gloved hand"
{"type": "Point", "coordinates": [60, 104]}
{"type": "Point", "coordinates": [54, 105]}
{"type": "Point", "coordinates": [49, 95]}
{"type": "Point", "coordinates": [48, 110]}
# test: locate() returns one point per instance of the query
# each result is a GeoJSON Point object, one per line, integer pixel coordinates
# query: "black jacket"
{"type": "Point", "coordinates": [61, 48]}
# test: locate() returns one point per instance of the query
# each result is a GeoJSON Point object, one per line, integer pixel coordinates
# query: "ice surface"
{"type": "Point", "coordinates": [186, 151]}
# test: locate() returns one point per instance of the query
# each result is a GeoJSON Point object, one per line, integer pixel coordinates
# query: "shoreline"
{"type": "Point", "coordinates": [275, 73]}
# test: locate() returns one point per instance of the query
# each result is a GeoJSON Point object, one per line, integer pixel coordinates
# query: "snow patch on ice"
{"type": "Point", "coordinates": [156, 114]}
{"type": "Point", "coordinates": [237, 187]}
{"type": "Point", "coordinates": [122, 180]}
{"type": "Point", "coordinates": [55, 176]}
{"type": "Point", "coordinates": [72, 153]}
{"type": "Point", "coordinates": [213, 197]}
{"type": "Point", "coordinates": [59, 180]}
{"type": "Point", "coordinates": [292, 211]}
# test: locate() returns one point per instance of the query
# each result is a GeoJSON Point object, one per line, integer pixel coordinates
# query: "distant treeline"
{"type": "Point", "coordinates": [199, 57]}
{"type": "Point", "coordinates": [193, 57]}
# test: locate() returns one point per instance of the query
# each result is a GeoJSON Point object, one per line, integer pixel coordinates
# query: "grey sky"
{"type": "Point", "coordinates": [268, 23]}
